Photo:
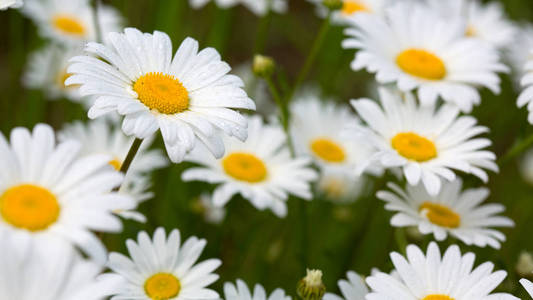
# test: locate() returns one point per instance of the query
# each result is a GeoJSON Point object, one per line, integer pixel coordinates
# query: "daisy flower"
{"type": "Point", "coordinates": [47, 70]}
{"type": "Point", "coordinates": [5, 4]}
{"type": "Point", "coordinates": [52, 271]}
{"type": "Point", "coordinates": [260, 169]}
{"type": "Point", "coordinates": [188, 97]}
{"type": "Point", "coordinates": [487, 22]}
{"type": "Point", "coordinates": [316, 129]}
{"type": "Point", "coordinates": [161, 268]}
{"type": "Point", "coordinates": [526, 96]}
{"type": "Point", "coordinates": [424, 52]}
{"type": "Point", "coordinates": [528, 285]}
{"type": "Point", "coordinates": [432, 277]}
{"type": "Point", "coordinates": [47, 191]}
{"type": "Point", "coordinates": [341, 187]}
{"type": "Point", "coordinates": [352, 289]}
{"type": "Point", "coordinates": [70, 21]}
{"type": "Point", "coordinates": [350, 8]}
{"type": "Point", "coordinates": [452, 211]}
{"type": "Point", "coordinates": [519, 52]}
{"type": "Point", "coordinates": [258, 7]}
{"type": "Point", "coordinates": [212, 213]}
{"type": "Point", "coordinates": [257, 89]}
{"type": "Point", "coordinates": [240, 291]}
{"type": "Point", "coordinates": [425, 142]}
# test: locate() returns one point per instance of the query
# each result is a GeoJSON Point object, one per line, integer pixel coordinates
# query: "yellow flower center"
{"type": "Point", "coordinates": [328, 150]}
{"type": "Point", "coordinates": [162, 92]}
{"type": "Point", "coordinates": [29, 207]}
{"type": "Point", "coordinates": [115, 163]}
{"type": "Point", "coordinates": [334, 188]}
{"type": "Point", "coordinates": [441, 215]}
{"type": "Point", "coordinates": [438, 297]}
{"type": "Point", "coordinates": [351, 7]}
{"type": "Point", "coordinates": [414, 147]}
{"type": "Point", "coordinates": [162, 286]}
{"type": "Point", "coordinates": [245, 167]}
{"type": "Point", "coordinates": [470, 31]}
{"type": "Point", "coordinates": [421, 63]}
{"type": "Point", "coordinates": [69, 25]}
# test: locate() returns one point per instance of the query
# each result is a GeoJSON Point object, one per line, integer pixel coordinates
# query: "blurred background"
{"type": "Point", "coordinates": [257, 246]}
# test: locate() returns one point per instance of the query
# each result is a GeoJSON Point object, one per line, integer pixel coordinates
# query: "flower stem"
{"type": "Point", "coordinates": [401, 239]}
{"type": "Point", "coordinates": [96, 18]}
{"type": "Point", "coordinates": [283, 109]}
{"type": "Point", "coordinates": [131, 155]}
{"type": "Point", "coordinates": [516, 150]}
{"type": "Point", "coordinates": [262, 30]}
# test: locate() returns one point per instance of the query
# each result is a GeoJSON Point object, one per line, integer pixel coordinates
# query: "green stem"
{"type": "Point", "coordinates": [283, 110]}
{"type": "Point", "coordinates": [304, 215]}
{"type": "Point", "coordinates": [262, 32]}
{"type": "Point", "coordinates": [317, 44]}
{"type": "Point", "coordinates": [96, 18]}
{"type": "Point", "coordinates": [401, 239]}
{"type": "Point", "coordinates": [131, 155]}
{"type": "Point", "coordinates": [516, 150]}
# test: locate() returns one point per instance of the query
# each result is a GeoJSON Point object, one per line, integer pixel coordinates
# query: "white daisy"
{"type": "Point", "coordinates": [70, 21]}
{"type": "Point", "coordinates": [212, 213]}
{"type": "Point", "coordinates": [52, 271]}
{"type": "Point", "coordinates": [258, 7]}
{"type": "Point", "coordinates": [5, 4]}
{"type": "Point", "coordinates": [47, 70]}
{"type": "Point", "coordinates": [528, 285]}
{"type": "Point", "coordinates": [48, 191]}
{"type": "Point", "coordinates": [189, 97]}
{"type": "Point", "coordinates": [452, 211]}
{"type": "Point", "coordinates": [526, 96]}
{"type": "Point", "coordinates": [350, 8]}
{"type": "Point", "coordinates": [427, 143]}
{"type": "Point", "coordinates": [352, 289]}
{"type": "Point", "coordinates": [519, 52]}
{"type": "Point", "coordinates": [260, 169]}
{"type": "Point", "coordinates": [161, 268]}
{"type": "Point", "coordinates": [316, 128]}
{"type": "Point", "coordinates": [424, 52]}
{"type": "Point", "coordinates": [487, 22]}
{"type": "Point", "coordinates": [240, 291]}
{"type": "Point", "coordinates": [432, 277]}
{"type": "Point", "coordinates": [341, 187]}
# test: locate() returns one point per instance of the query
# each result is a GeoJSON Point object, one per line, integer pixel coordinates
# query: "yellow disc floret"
{"type": "Point", "coordinates": [245, 167]}
{"type": "Point", "coordinates": [441, 215]}
{"type": "Point", "coordinates": [437, 297]}
{"type": "Point", "coordinates": [328, 150]}
{"type": "Point", "coordinates": [69, 25]}
{"type": "Point", "coordinates": [29, 207]}
{"type": "Point", "coordinates": [162, 92]}
{"type": "Point", "coordinates": [162, 286]}
{"type": "Point", "coordinates": [421, 63]}
{"type": "Point", "coordinates": [115, 163]}
{"type": "Point", "coordinates": [351, 7]}
{"type": "Point", "coordinates": [414, 147]}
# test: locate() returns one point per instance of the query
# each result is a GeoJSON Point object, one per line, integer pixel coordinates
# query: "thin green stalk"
{"type": "Point", "coordinates": [317, 44]}
{"type": "Point", "coordinates": [401, 239]}
{"type": "Point", "coordinates": [131, 155]}
{"type": "Point", "coordinates": [516, 150]}
{"type": "Point", "coordinates": [283, 109]}
{"type": "Point", "coordinates": [304, 216]}
{"type": "Point", "coordinates": [96, 18]}
{"type": "Point", "coordinates": [262, 32]}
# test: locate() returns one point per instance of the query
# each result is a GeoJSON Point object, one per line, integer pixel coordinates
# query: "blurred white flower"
{"type": "Point", "coordinates": [341, 187]}
{"type": "Point", "coordinates": [212, 213]}
{"type": "Point", "coordinates": [352, 289]}
{"type": "Point", "coordinates": [258, 7]}
{"type": "Point", "coordinates": [5, 4]}
{"type": "Point", "coordinates": [350, 8]}
{"type": "Point", "coordinates": [240, 291]}
{"type": "Point", "coordinates": [519, 52]}
{"type": "Point", "coordinates": [257, 89]}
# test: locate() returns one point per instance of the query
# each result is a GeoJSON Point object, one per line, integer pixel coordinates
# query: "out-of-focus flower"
{"type": "Point", "coordinates": [427, 143]}
{"type": "Point", "coordinates": [48, 191]}
{"type": "Point", "coordinates": [426, 53]}
{"type": "Point", "coordinates": [526, 96]}
{"type": "Point", "coordinates": [341, 187]}
{"type": "Point", "coordinates": [161, 268]}
{"type": "Point", "coordinates": [352, 289]}
{"type": "Point", "coordinates": [190, 98]}
{"type": "Point", "coordinates": [212, 213]}
{"type": "Point", "coordinates": [71, 21]}
{"type": "Point", "coordinates": [240, 291]}
{"type": "Point", "coordinates": [419, 277]}
{"type": "Point", "coordinates": [260, 169]}
{"type": "Point", "coordinates": [519, 52]}
{"type": "Point", "coordinates": [350, 8]}
{"type": "Point", "coordinates": [258, 7]}
{"type": "Point", "coordinates": [256, 88]}
{"type": "Point", "coordinates": [452, 211]}
{"type": "Point", "coordinates": [524, 265]}
{"type": "Point", "coordinates": [5, 4]}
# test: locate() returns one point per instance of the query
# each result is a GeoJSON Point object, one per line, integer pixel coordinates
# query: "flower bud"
{"type": "Point", "coordinates": [311, 287]}
{"type": "Point", "coordinates": [263, 66]}
{"type": "Point", "coordinates": [333, 4]}
{"type": "Point", "coordinates": [524, 266]}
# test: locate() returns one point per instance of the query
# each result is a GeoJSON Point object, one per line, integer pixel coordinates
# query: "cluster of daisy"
{"type": "Point", "coordinates": [61, 191]}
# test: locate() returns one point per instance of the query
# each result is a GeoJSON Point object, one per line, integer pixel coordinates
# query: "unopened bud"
{"type": "Point", "coordinates": [311, 286]}
{"type": "Point", "coordinates": [524, 266]}
{"type": "Point", "coordinates": [263, 66]}
{"type": "Point", "coordinates": [333, 4]}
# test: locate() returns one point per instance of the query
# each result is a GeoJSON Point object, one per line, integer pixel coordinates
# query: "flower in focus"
{"type": "Point", "coordinates": [47, 70]}
{"type": "Point", "coordinates": [71, 21]}
{"type": "Point", "coordinates": [352, 289]}
{"type": "Point", "coordinates": [485, 21]}
{"type": "Point", "coordinates": [161, 268]}
{"type": "Point", "coordinates": [48, 191]}
{"type": "Point", "coordinates": [5, 4]}
{"type": "Point", "coordinates": [260, 169]}
{"type": "Point", "coordinates": [436, 277]}
{"type": "Point", "coordinates": [51, 271]}
{"type": "Point", "coordinates": [190, 97]}
{"type": "Point", "coordinates": [212, 213]}
{"type": "Point", "coordinates": [452, 211]}
{"type": "Point", "coordinates": [240, 291]}
{"type": "Point", "coordinates": [258, 7]}
{"type": "Point", "coordinates": [424, 52]}
{"type": "Point", "coordinates": [426, 142]}
{"type": "Point", "coordinates": [351, 8]}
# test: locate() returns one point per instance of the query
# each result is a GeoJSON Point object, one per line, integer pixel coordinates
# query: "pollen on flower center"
{"type": "Point", "coordinates": [421, 63]}
{"type": "Point", "coordinates": [328, 150]}
{"type": "Point", "coordinates": [437, 297]}
{"type": "Point", "coordinates": [440, 215]}
{"type": "Point", "coordinates": [414, 147]}
{"type": "Point", "coordinates": [162, 92]}
{"type": "Point", "coordinates": [162, 286]}
{"type": "Point", "coordinates": [69, 25]}
{"type": "Point", "coordinates": [245, 167]}
{"type": "Point", "coordinates": [29, 207]}
{"type": "Point", "coordinates": [350, 7]}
